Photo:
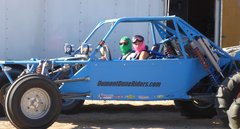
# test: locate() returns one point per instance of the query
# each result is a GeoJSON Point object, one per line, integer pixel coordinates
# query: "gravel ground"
{"type": "Point", "coordinates": [127, 115]}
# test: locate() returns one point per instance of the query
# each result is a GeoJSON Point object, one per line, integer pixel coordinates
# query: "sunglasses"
{"type": "Point", "coordinates": [123, 43]}
{"type": "Point", "coordinates": [137, 42]}
{"type": "Point", "coordinates": [135, 39]}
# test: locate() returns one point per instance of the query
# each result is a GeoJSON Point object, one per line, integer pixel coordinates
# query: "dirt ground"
{"type": "Point", "coordinates": [127, 115]}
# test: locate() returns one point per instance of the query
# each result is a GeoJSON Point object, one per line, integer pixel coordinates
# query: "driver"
{"type": "Point", "coordinates": [125, 45]}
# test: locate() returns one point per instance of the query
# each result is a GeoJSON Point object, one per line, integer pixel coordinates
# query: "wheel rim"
{"type": "Point", "coordinates": [201, 104]}
{"type": "Point", "coordinates": [35, 103]}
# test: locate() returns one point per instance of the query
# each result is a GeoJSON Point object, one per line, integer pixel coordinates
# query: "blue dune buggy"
{"type": "Point", "coordinates": [184, 66]}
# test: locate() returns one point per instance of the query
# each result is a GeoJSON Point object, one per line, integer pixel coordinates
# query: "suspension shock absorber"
{"type": "Point", "coordinates": [199, 55]}
{"type": "Point", "coordinates": [204, 63]}
{"type": "Point", "coordinates": [39, 68]}
{"type": "Point", "coordinates": [213, 80]}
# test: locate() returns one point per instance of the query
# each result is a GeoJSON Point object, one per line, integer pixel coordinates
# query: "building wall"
{"type": "Point", "coordinates": [230, 23]}
{"type": "Point", "coordinates": [39, 28]}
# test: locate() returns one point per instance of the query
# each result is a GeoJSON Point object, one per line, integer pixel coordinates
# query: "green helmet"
{"type": "Point", "coordinates": [125, 45]}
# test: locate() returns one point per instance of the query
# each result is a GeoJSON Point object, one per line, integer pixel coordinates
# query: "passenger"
{"type": "Point", "coordinates": [125, 45]}
{"type": "Point", "coordinates": [141, 49]}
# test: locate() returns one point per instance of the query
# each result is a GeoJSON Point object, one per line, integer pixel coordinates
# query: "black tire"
{"type": "Point", "coordinates": [190, 109]}
{"type": "Point", "coordinates": [222, 115]}
{"type": "Point", "coordinates": [228, 101]}
{"type": "Point", "coordinates": [33, 101]}
{"type": "Point", "coordinates": [4, 85]}
{"type": "Point", "coordinates": [71, 106]}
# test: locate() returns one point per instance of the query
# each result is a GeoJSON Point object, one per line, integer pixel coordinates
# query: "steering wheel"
{"type": "Point", "coordinates": [105, 53]}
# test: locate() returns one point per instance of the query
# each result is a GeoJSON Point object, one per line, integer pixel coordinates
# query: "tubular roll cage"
{"type": "Point", "coordinates": [158, 24]}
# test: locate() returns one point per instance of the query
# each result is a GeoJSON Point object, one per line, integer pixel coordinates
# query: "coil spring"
{"type": "Point", "coordinates": [169, 49]}
{"type": "Point", "coordinates": [201, 58]}
{"type": "Point", "coordinates": [39, 69]}
{"type": "Point", "coordinates": [214, 82]}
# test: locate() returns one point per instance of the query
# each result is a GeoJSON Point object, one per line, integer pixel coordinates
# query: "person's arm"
{"type": "Point", "coordinates": [143, 55]}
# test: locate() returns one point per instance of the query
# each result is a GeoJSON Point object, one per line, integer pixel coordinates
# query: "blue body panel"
{"type": "Point", "coordinates": [145, 79]}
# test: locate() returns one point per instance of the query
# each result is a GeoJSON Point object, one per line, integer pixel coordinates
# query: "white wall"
{"type": "Point", "coordinates": [2, 28]}
{"type": "Point", "coordinates": [39, 28]}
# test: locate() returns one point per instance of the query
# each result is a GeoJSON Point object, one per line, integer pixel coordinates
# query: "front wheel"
{"type": "Point", "coordinates": [71, 106]}
{"type": "Point", "coordinates": [33, 101]}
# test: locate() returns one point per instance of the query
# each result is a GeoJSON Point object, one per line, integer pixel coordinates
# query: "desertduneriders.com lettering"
{"type": "Point", "coordinates": [130, 84]}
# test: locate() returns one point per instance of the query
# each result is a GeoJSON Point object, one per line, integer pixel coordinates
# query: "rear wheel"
{"type": "Point", "coordinates": [33, 101]}
{"type": "Point", "coordinates": [195, 108]}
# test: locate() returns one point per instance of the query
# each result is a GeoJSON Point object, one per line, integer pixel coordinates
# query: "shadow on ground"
{"type": "Point", "coordinates": [126, 116]}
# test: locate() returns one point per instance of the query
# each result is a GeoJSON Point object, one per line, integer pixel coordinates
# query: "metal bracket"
{"type": "Point", "coordinates": [72, 80]}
